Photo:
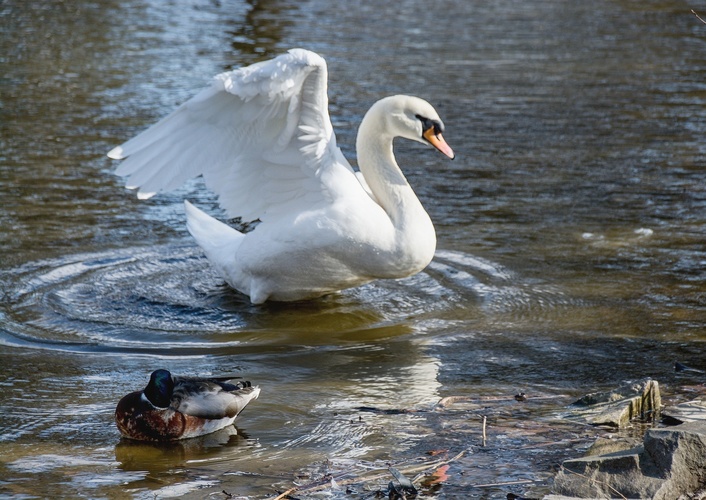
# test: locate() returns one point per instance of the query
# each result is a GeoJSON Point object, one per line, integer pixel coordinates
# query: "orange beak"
{"type": "Point", "coordinates": [438, 142]}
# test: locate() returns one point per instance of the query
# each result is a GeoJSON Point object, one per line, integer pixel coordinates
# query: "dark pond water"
{"type": "Point", "coordinates": [571, 234]}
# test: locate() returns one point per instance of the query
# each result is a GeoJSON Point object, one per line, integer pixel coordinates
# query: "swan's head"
{"type": "Point", "coordinates": [415, 119]}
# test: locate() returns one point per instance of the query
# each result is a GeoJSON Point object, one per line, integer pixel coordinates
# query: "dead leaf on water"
{"type": "Point", "coordinates": [436, 477]}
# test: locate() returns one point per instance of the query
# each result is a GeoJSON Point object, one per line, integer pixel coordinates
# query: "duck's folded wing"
{"type": "Point", "coordinates": [260, 136]}
{"type": "Point", "coordinates": [205, 399]}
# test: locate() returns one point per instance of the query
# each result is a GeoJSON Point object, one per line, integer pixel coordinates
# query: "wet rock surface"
{"type": "Point", "coordinates": [617, 408]}
{"type": "Point", "coordinates": [668, 464]}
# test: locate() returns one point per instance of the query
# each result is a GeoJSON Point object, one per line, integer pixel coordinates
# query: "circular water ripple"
{"type": "Point", "coordinates": [168, 299]}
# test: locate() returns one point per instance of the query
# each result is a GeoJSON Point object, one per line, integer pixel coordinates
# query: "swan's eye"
{"type": "Point", "coordinates": [430, 124]}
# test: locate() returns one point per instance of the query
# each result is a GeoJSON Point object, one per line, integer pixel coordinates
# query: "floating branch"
{"type": "Point", "coordinates": [339, 480]}
{"type": "Point", "coordinates": [485, 421]}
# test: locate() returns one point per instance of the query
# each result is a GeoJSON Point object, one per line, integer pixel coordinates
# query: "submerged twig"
{"type": "Point", "coordinates": [372, 475]}
{"type": "Point", "coordinates": [285, 494]}
{"type": "Point", "coordinates": [485, 421]}
{"type": "Point", "coordinates": [697, 16]}
{"type": "Point", "coordinates": [450, 400]}
{"type": "Point", "coordinates": [505, 483]}
{"type": "Point", "coordinates": [388, 411]}
{"type": "Point", "coordinates": [563, 442]}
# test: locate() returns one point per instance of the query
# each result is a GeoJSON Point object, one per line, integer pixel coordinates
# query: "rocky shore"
{"type": "Point", "coordinates": [669, 463]}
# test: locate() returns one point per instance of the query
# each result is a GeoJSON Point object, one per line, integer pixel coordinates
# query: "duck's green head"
{"type": "Point", "coordinates": [159, 390]}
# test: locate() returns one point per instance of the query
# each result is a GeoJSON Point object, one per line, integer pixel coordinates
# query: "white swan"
{"type": "Point", "coordinates": [262, 138]}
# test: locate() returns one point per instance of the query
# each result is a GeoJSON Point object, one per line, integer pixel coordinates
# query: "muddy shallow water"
{"type": "Point", "coordinates": [570, 235]}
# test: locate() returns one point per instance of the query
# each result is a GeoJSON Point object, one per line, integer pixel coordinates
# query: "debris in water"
{"type": "Point", "coordinates": [405, 488]}
{"type": "Point", "coordinates": [436, 477]}
{"type": "Point", "coordinates": [681, 367]}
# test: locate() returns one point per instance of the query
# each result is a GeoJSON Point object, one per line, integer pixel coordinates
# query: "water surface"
{"type": "Point", "coordinates": [570, 254]}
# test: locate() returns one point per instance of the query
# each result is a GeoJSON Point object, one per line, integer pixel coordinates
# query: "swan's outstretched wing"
{"type": "Point", "coordinates": [260, 136]}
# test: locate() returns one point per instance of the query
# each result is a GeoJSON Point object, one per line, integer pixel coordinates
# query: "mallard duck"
{"type": "Point", "coordinates": [262, 139]}
{"type": "Point", "coordinates": [172, 407]}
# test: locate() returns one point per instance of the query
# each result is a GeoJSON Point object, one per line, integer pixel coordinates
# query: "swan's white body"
{"type": "Point", "coordinates": [262, 138]}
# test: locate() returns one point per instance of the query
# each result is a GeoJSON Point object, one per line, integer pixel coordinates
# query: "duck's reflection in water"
{"type": "Point", "coordinates": [156, 457]}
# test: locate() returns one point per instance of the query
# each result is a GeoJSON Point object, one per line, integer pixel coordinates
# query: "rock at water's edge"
{"type": "Point", "coordinates": [670, 462]}
{"type": "Point", "coordinates": [618, 407]}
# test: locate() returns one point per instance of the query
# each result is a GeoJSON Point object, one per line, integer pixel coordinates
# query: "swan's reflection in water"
{"type": "Point", "coordinates": [318, 363]}
{"type": "Point", "coordinates": [167, 299]}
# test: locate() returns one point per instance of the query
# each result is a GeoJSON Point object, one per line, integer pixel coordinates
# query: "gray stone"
{"type": "Point", "coordinates": [605, 445]}
{"type": "Point", "coordinates": [681, 451]}
{"type": "Point", "coordinates": [618, 407]}
{"type": "Point", "coordinates": [669, 464]}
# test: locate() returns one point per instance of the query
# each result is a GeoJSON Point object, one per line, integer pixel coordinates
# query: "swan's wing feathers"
{"type": "Point", "coordinates": [260, 136]}
{"type": "Point", "coordinates": [177, 147]}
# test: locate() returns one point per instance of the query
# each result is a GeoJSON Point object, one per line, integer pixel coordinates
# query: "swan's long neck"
{"type": "Point", "coordinates": [387, 182]}
{"type": "Point", "coordinates": [377, 163]}
{"type": "Point", "coordinates": [414, 233]}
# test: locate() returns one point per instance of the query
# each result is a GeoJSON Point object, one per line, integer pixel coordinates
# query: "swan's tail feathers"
{"type": "Point", "coordinates": [218, 240]}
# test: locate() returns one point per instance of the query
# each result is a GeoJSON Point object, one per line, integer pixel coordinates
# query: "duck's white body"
{"type": "Point", "coordinates": [263, 141]}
